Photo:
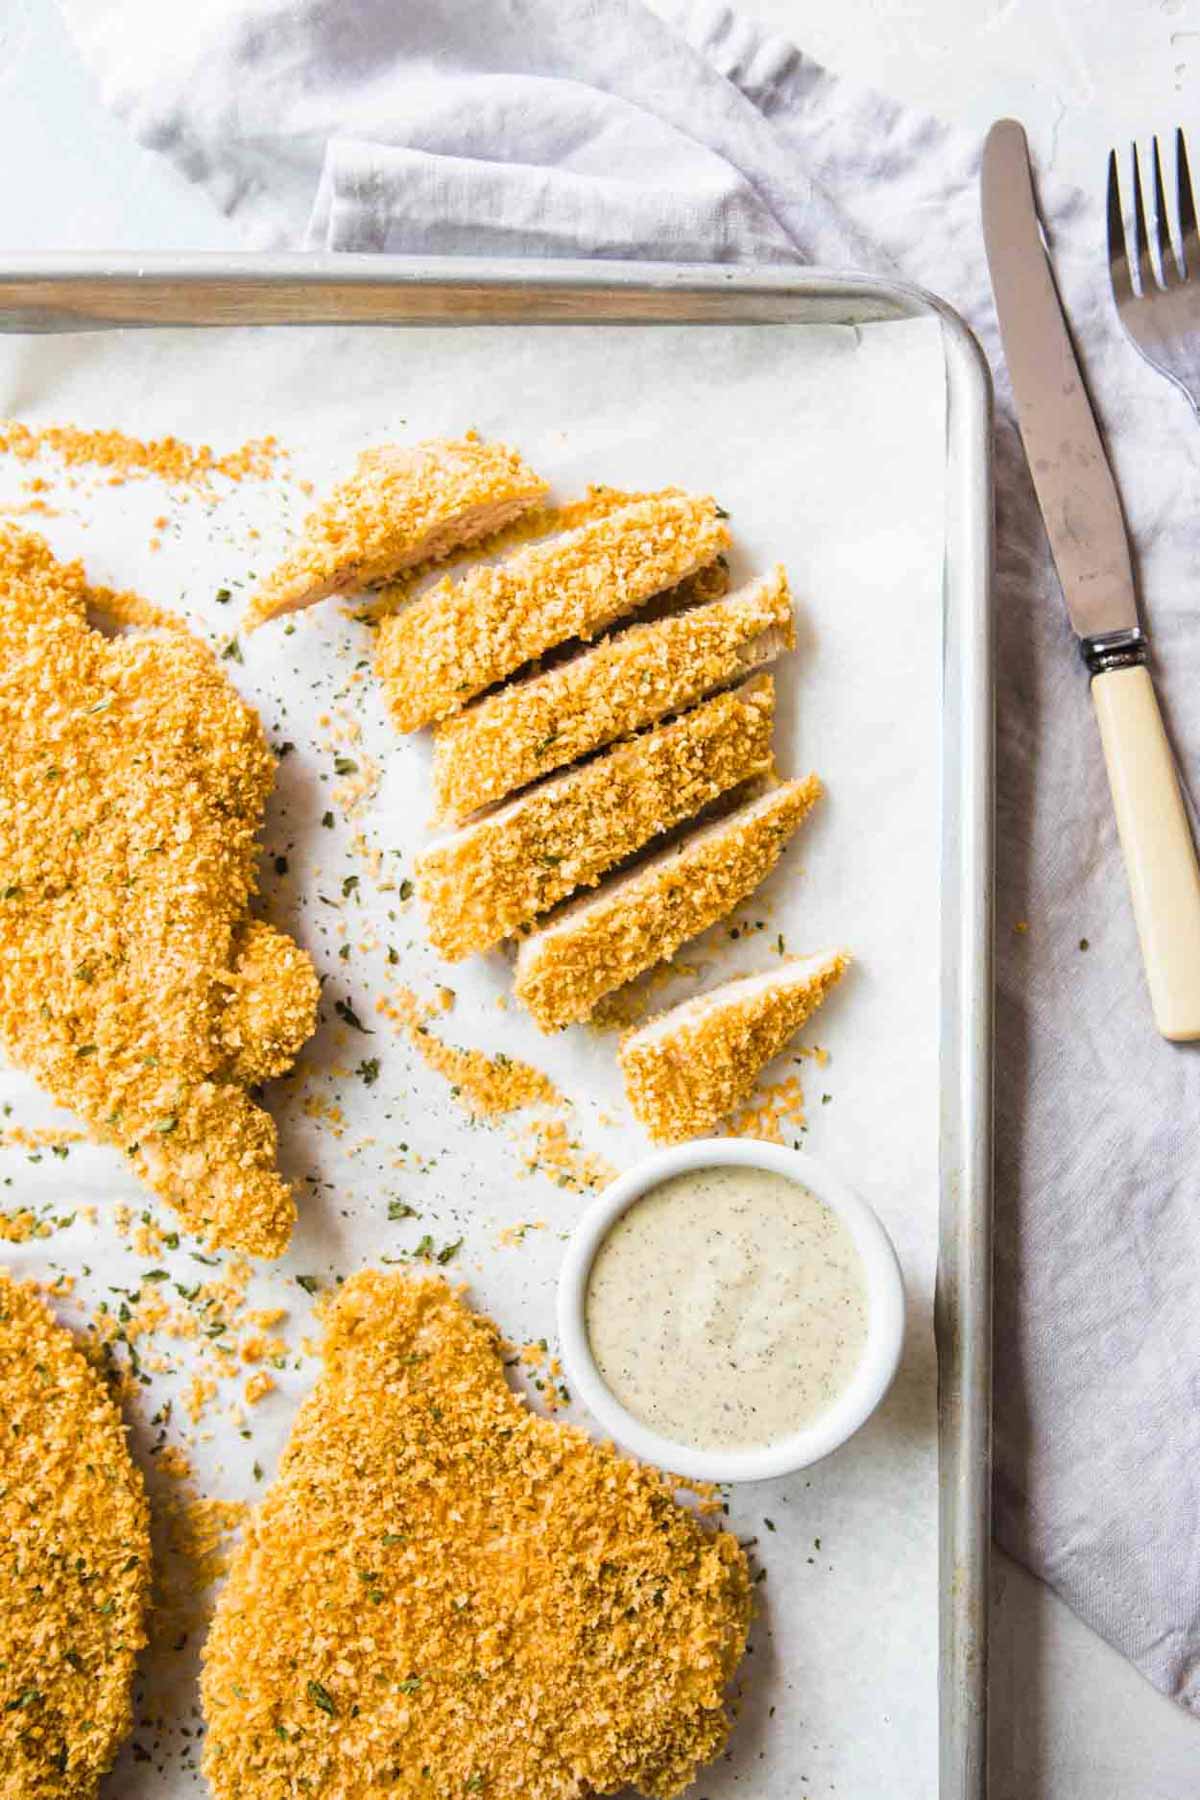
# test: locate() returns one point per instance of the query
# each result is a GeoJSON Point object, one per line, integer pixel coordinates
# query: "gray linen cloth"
{"type": "Point", "coordinates": [599, 128]}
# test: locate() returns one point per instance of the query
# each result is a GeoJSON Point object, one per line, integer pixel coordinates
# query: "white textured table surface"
{"type": "Point", "coordinates": [1070, 1720]}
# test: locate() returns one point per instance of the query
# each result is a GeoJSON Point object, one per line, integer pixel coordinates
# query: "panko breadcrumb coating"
{"type": "Point", "coordinates": [689, 1068]}
{"type": "Point", "coordinates": [134, 985]}
{"type": "Point", "coordinates": [461, 637]}
{"type": "Point", "coordinates": [74, 1560]}
{"type": "Point", "coordinates": [401, 506]}
{"type": "Point", "coordinates": [603, 940]}
{"type": "Point", "coordinates": [444, 1594]}
{"type": "Point", "coordinates": [633, 679]}
{"type": "Point", "coordinates": [484, 882]}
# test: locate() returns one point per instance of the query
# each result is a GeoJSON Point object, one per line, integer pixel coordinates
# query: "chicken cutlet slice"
{"type": "Point", "coordinates": [483, 883]}
{"type": "Point", "coordinates": [403, 505]}
{"type": "Point", "coordinates": [602, 940]}
{"type": "Point", "coordinates": [689, 1068]}
{"type": "Point", "coordinates": [74, 1560]}
{"type": "Point", "coordinates": [134, 985]}
{"type": "Point", "coordinates": [443, 1593]}
{"type": "Point", "coordinates": [460, 637]}
{"type": "Point", "coordinates": [633, 679]}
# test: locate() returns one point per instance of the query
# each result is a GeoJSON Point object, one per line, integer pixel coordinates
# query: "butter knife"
{"type": "Point", "coordinates": [1082, 511]}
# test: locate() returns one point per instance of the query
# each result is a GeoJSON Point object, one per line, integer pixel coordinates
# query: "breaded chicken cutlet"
{"type": "Point", "coordinates": [134, 985]}
{"type": "Point", "coordinates": [633, 679]}
{"type": "Point", "coordinates": [689, 1068]}
{"type": "Point", "coordinates": [461, 637]}
{"type": "Point", "coordinates": [402, 506]}
{"type": "Point", "coordinates": [442, 1593]}
{"type": "Point", "coordinates": [483, 883]}
{"type": "Point", "coordinates": [74, 1560]}
{"type": "Point", "coordinates": [605, 939]}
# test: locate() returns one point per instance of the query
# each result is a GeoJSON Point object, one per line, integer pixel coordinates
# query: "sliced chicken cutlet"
{"type": "Point", "coordinates": [443, 1593]}
{"type": "Point", "coordinates": [633, 679]}
{"type": "Point", "coordinates": [402, 506]}
{"type": "Point", "coordinates": [461, 637]}
{"type": "Point", "coordinates": [483, 883]}
{"type": "Point", "coordinates": [691, 1067]}
{"type": "Point", "coordinates": [74, 1560]}
{"type": "Point", "coordinates": [603, 940]}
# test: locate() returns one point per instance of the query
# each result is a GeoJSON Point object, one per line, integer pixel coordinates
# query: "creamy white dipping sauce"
{"type": "Point", "coordinates": [727, 1308]}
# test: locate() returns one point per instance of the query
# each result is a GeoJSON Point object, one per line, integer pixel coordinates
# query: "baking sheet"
{"type": "Point", "coordinates": [827, 445]}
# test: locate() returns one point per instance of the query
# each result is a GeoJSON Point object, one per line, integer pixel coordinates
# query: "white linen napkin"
{"type": "Point", "coordinates": [595, 127]}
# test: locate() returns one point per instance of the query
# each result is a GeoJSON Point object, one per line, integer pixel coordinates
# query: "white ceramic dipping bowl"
{"type": "Point", "coordinates": [852, 1407]}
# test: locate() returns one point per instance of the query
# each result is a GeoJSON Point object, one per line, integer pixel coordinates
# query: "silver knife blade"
{"type": "Point", "coordinates": [1071, 473]}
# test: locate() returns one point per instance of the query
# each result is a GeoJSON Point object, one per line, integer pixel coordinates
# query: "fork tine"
{"type": "Point", "coordinates": [1168, 269]}
{"type": "Point", "coordinates": [1188, 235]}
{"type": "Point", "coordinates": [1154, 307]}
{"type": "Point", "coordinates": [1118, 258]}
{"type": "Point", "coordinates": [1145, 268]}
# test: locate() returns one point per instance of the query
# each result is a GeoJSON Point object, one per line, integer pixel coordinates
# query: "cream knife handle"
{"type": "Point", "coordinates": [1160, 857]}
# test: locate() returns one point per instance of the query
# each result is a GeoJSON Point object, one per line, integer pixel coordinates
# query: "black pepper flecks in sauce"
{"type": "Point", "coordinates": [727, 1308]}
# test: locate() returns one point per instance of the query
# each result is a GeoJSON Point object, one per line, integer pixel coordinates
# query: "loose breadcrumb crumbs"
{"type": "Point", "coordinates": [636, 678]}
{"type": "Point", "coordinates": [19, 1226]}
{"type": "Point", "coordinates": [493, 1086]}
{"type": "Point", "coordinates": [19, 509]}
{"type": "Point", "coordinates": [555, 1151]}
{"type": "Point", "coordinates": [267, 1316]}
{"type": "Point", "coordinates": [774, 1114]}
{"type": "Point", "coordinates": [488, 1086]}
{"type": "Point", "coordinates": [513, 1235]}
{"type": "Point", "coordinates": [486, 881]}
{"type": "Point", "coordinates": [692, 1067]}
{"type": "Point", "coordinates": [443, 1593]}
{"type": "Point", "coordinates": [200, 1390]}
{"type": "Point", "coordinates": [401, 506]}
{"type": "Point", "coordinates": [171, 1322]}
{"type": "Point", "coordinates": [134, 986]}
{"type": "Point", "coordinates": [174, 1461]}
{"type": "Point", "coordinates": [34, 1141]}
{"type": "Point", "coordinates": [544, 1371]}
{"type": "Point", "coordinates": [75, 1560]}
{"type": "Point", "coordinates": [127, 458]}
{"type": "Point", "coordinates": [460, 637]}
{"type": "Point", "coordinates": [205, 1329]}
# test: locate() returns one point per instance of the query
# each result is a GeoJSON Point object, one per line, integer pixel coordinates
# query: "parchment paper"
{"type": "Point", "coordinates": [826, 444]}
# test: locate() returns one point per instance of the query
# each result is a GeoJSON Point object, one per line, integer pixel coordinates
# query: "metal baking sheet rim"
{"type": "Point", "coordinates": [98, 292]}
